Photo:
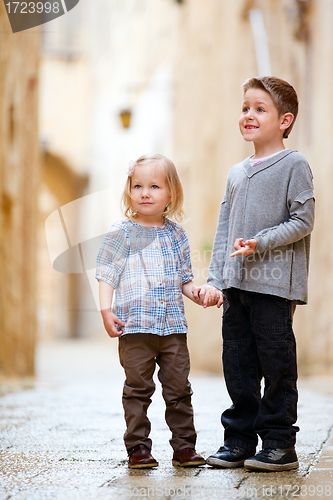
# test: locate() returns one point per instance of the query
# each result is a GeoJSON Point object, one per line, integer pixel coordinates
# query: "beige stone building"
{"type": "Point", "coordinates": [217, 52]}
{"type": "Point", "coordinates": [19, 180]}
{"type": "Point", "coordinates": [178, 66]}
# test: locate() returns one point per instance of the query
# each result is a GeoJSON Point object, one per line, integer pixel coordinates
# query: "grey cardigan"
{"type": "Point", "coordinates": [272, 202]}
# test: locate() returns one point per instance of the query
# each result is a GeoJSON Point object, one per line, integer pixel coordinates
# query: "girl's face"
{"type": "Point", "coordinates": [149, 193]}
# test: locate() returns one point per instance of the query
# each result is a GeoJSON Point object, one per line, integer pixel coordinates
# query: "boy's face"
{"type": "Point", "coordinates": [260, 121]}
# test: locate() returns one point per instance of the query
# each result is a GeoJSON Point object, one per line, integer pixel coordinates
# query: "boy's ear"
{"type": "Point", "coordinates": [286, 120]}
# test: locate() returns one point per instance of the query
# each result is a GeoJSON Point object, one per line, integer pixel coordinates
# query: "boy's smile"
{"type": "Point", "coordinates": [260, 122]}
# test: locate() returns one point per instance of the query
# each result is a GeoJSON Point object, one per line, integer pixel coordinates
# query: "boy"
{"type": "Point", "coordinates": [267, 215]}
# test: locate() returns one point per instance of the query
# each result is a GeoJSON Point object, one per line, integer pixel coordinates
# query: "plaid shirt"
{"type": "Point", "coordinates": [147, 267]}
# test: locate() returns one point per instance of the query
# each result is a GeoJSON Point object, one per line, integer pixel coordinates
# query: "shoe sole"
{"type": "Point", "coordinates": [143, 466]}
{"type": "Point", "coordinates": [223, 464]}
{"type": "Point", "coordinates": [176, 463]}
{"type": "Point", "coordinates": [265, 467]}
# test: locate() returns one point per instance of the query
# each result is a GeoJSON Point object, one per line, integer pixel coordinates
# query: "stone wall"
{"type": "Point", "coordinates": [195, 54]}
{"type": "Point", "coordinates": [216, 54]}
{"type": "Point", "coordinates": [19, 177]}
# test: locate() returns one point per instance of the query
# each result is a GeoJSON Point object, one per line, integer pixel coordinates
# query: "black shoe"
{"type": "Point", "coordinates": [229, 456]}
{"type": "Point", "coordinates": [273, 460]}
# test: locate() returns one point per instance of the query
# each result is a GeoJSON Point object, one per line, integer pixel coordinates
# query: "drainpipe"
{"type": "Point", "coordinates": [260, 42]}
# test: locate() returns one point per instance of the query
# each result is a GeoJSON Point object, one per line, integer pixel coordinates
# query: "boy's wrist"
{"type": "Point", "coordinates": [258, 248]}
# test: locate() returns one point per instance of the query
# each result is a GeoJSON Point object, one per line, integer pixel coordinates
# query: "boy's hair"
{"type": "Point", "coordinates": [174, 209]}
{"type": "Point", "coordinates": [282, 93]}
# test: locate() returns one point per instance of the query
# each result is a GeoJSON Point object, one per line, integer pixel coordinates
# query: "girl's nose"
{"type": "Point", "coordinates": [145, 193]}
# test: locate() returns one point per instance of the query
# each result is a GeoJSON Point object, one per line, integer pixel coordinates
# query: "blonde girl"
{"type": "Point", "coordinates": [145, 260]}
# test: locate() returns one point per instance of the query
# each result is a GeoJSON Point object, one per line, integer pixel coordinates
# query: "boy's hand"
{"type": "Point", "coordinates": [244, 248]}
{"type": "Point", "coordinates": [207, 295]}
{"type": "Point", "coordinates": [112, 323]}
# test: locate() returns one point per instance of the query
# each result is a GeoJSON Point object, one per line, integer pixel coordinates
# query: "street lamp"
{"type": "Point", "coordinates": [125, 116]}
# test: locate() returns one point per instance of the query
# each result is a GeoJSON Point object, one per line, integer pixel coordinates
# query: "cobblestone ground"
{"type": "Point", "coordinates": [61, 435]}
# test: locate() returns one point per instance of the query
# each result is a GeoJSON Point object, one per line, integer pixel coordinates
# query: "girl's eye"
{"type": "Point", "coordinates": [137, 186]}
{"type": "Point", "coordinates": [154, 186]}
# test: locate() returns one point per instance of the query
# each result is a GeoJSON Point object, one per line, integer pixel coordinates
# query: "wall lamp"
{"type": "Point", "coordinates": [125, 117]}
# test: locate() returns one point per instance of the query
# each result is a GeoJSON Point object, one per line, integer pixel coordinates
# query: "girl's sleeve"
{"type": "Point", "coordinates": [112, 255]}
{"type": "Point", "coordinates": [187, 274]}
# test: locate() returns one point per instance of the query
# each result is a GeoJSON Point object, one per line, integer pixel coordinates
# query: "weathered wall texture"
{"type": "Point", "coordinates": [216, 54]}
{"type": "Point", "coordinates": [314, 325]}
{"type": "Point", "coordinates": [193, 57]}
{"type": "Point", "coordinates": [19, 177]}
{"type": "Point", "coordinates": [97, 60]}
{"type": "Point", "coordinates": [58, 294]}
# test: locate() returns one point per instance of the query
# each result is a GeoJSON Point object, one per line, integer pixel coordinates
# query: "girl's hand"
{"type": "Point", "coordinates": [207, 295]}
{"type": "Point", "coordinates": [196, 293]}
{"type": "Point", "coordinates": [112, 323]}
{"type": "Point", "coordinates": [244, 248]}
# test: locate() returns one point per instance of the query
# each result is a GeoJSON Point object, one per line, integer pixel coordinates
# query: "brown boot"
{"type": "Point", "coordinates": [140, 458]}
{"type": "Point", "coordinates": [187, 458]}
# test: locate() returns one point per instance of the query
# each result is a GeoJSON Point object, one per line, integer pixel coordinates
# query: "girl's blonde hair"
{"type": "Point", "coordinates": [174, 209]}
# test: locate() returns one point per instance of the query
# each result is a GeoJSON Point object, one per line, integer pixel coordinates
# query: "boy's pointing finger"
{"type": "Point", "coordinates": [238, 252]}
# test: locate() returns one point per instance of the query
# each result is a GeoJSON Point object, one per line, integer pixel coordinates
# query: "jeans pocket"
{"type": "Point", "coordinates": [272, 314]}
{"type": "Point", "coordinates": [226, 304]}
{"type": "Point", "coordinates": [121, 347]}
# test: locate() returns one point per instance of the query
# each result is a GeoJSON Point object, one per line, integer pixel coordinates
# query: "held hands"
{"type": "Point", "coordinates": [207, 295]}
{"type": "Point", "coordinates": [112, 323]}
{"type": "Point", "coordinates": [244, 248]}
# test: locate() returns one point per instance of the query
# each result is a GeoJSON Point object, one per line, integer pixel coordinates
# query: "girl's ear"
{"type": "Point", "coordinates": [286, 120]}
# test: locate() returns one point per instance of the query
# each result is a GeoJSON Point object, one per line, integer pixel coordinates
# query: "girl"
{"type": "Point", "coordinates": [146, 259]}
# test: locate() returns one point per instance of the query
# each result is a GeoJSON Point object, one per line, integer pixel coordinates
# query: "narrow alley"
{"type": "Point", "coordinates": [61, 436]}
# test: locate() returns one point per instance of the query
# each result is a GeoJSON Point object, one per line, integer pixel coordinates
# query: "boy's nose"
{"type": "Point", "coordinates": [249, 118]}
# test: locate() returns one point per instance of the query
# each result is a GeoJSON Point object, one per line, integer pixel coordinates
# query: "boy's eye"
{"type": "Point", "coordinates": [245, 109]}
{"type": "Point", "coordinates": [261, 110]}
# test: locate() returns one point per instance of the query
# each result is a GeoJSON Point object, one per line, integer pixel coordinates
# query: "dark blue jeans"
{"type": "Point", "coordinates": [258, 341]}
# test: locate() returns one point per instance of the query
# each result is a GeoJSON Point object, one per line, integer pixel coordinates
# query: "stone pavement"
{"type": "Point", "coordinates": [61, 436]}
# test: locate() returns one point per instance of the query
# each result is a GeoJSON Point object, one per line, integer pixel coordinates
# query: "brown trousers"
{"type": "Point", "coordinates": [139, 353]}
